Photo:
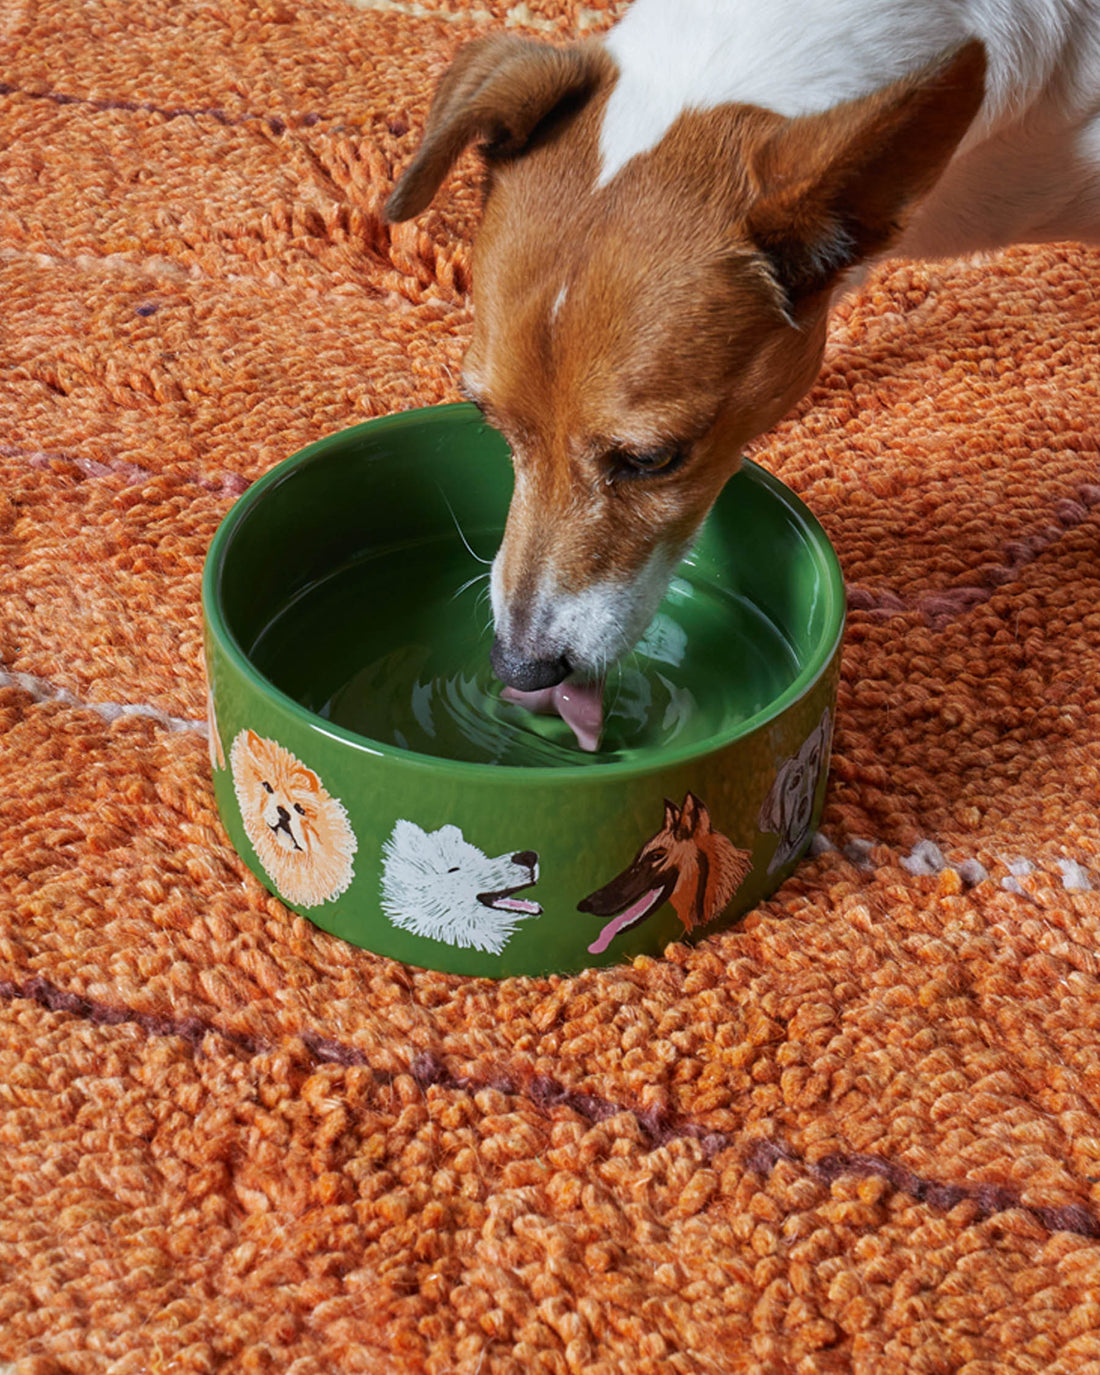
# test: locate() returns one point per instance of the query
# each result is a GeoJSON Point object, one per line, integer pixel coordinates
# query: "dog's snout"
{"type": "Point", "coordinates": [527, 859]}
{"type": "Point", "coordinates": [527, 674]}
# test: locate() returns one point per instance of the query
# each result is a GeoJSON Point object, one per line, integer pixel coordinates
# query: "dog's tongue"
{"type": "Point", "coordinates": [635, 912]}
{"type": "Point", "coordinates": [580, 706]}
{"type": "Point", "coordinates": [518, 905]}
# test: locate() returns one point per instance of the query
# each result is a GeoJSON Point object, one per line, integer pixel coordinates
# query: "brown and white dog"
{"type": "Point", "coordinates": [668, 213]}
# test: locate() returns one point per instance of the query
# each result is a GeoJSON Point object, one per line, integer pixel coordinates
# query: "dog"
{"type": "Point", "coordinates": [687, 863]}
{"type": "Point", "coordinates": [437, 885]}
{"type": "Point", "coordinates": [300, 833]}
{"type": "Point", "coordinates": [668, 214]}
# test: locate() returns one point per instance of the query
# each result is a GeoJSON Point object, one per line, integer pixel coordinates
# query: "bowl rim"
{"type": "Point", "coordinates": [659, 762]}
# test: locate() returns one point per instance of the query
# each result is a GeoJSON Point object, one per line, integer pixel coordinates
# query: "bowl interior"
{"type": "Point", "coordinates": [349, 581]}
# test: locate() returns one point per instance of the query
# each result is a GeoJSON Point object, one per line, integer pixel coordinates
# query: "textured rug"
{"type": "Point", "coordinates": [859, 1133]}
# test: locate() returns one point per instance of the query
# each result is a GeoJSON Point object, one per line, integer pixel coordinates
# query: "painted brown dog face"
{"type": "Point", "coordinates": [687, 863]}
{"type": "Point", "coordinates": [300, 833]}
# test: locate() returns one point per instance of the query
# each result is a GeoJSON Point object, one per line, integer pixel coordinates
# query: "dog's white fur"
{"type": "Point", "coordinates": [1028, 170]}
{"type": "Point", "coordinates": [603, 621]}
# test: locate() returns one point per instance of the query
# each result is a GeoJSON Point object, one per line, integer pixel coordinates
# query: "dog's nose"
{"type": "Point", "coordinates": [526, 859]}
{"type": "Point", "coordinates": [527, 674]}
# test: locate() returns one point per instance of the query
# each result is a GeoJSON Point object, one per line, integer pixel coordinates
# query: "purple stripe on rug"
{"type": "Point", "coordinates": [940, 608]}
{"type": "Point", "coordinates": [276, 124]}
{"type": "Point", "coordinates": [191, 1029]}
{"type": "Point", "coordinates": [764, 1155]}
{"type": "Point", "coordinates": [759, 1155]}
{"type": "Point", "coordinates": [398, 125]}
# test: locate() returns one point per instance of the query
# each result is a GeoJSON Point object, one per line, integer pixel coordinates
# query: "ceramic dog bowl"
{"type": "Point", "coordinates": [368, 773]}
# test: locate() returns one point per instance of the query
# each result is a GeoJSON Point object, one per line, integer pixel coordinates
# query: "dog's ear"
{"type": "Point", "coordinates": [694, 818]}
{"type": "Point", "coordinates": [307, 779]}
{"type": "Point", "coordinates": [835, 188]}
{"type": "Point", "coordinates": [672, 816]}
{"type": "Point", "coordinates": [496, 92]}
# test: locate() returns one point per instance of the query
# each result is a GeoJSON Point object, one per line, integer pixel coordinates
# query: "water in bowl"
{"type": "Point", "coordinates": [395, 647]}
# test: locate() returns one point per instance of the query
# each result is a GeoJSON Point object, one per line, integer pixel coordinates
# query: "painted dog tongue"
{"type": "Point", "coordinates": [635, 912]}
{"type": "Point", "coordinates": [580, 706]}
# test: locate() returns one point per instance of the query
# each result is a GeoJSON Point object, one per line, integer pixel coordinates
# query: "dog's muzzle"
{"type": "Point", "coordinates": [529, 675]}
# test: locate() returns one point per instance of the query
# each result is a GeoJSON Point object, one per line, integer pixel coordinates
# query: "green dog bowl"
{"type": "Point", "coordinates": [369, 774]}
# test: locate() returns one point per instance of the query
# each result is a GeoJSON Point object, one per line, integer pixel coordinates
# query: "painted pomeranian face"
{"type": "Point", "coordinates": [300, 833]}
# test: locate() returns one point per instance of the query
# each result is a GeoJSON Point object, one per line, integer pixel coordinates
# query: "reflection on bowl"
{"type": "Point", "coordinates": [369, 773]}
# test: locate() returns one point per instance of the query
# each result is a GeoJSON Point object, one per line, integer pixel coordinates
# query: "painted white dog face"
{"type": "Point", "coordinates": [436, 884]}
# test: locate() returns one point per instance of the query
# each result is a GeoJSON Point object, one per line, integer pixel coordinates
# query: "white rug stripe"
{"type": "Point", "coordinates": [927, 859]}
{"type": "Point", "coordinates": [518, 16]}
{"type": "Point", "coordinates": [42, 691]}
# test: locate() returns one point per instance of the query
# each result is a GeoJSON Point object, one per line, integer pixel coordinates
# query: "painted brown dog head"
{"type": "Point", "coordinates": [687, 863]}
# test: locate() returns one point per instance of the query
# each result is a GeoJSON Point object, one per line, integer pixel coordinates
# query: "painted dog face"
{"type": "Point", "coordinates": [299, 831]}
{"type": "Point", "coordinates": [686, 863]}
{"type": "Point", "coordinates": [436, 884]}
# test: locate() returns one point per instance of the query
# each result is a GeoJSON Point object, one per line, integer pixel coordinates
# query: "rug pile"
{"type": "Point", "coordinates": [860, 1132]}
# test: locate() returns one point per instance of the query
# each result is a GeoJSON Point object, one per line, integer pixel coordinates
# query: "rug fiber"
{"type": "Point", "coordinates": [860, 1132]}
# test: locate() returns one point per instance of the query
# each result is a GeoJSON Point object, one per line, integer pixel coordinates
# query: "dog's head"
{"type": "Point", "coordinates": [300, 833]}
{"type": "Point", "coordinates": [436, 884]}
{"type": "Point", "coordinates": [687, 863]}
{"type": "Point", "coordinates": [633, 332]}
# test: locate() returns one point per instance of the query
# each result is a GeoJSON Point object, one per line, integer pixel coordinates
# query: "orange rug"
{"type": "Point", "coordinates": [860, 1133]}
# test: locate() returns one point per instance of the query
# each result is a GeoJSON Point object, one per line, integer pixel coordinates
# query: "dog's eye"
{"type": "Point", "coordinates": [631, 463]}
{"type": "Point", "coordinates": [266, 786]}
{"type": "Point", "coordinates": [299, 809]}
